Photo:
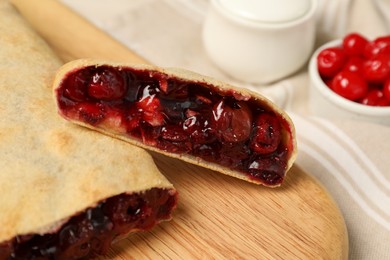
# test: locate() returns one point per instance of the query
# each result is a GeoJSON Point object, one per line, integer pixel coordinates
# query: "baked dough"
{"type": "Point", "coordinates": [51, 169]}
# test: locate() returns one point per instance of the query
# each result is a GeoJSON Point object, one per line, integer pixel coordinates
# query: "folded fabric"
{"type": "Point", "coordinates": [351, 160]}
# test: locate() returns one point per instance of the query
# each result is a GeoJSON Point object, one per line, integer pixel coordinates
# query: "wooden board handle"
{"type": "Point", "coordinates": [75, 35]}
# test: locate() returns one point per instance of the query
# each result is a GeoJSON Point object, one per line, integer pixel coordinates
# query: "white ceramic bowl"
{"type": "Point", "coordinates": [324, 102]}
{"type": "Point", "coordinates": [258, 51]}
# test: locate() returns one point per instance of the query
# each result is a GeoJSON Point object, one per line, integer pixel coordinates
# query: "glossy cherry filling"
{"type": "Point", "coordinates": [180, 116]}
{"type": "Point", "coordinates": [90, 233]}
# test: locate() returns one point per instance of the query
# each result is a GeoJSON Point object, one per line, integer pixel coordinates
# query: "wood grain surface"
{"type": "Point", "coordinates": [218, 216]}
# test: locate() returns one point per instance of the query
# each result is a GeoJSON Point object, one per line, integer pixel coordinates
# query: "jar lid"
{"type": "Point", "coordinates": [267, 11]}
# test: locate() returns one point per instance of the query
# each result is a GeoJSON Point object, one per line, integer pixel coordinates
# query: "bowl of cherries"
{"type": "Point", "coordinates": [350, 78]}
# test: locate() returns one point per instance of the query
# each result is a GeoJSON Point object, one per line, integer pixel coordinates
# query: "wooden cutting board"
{"type": "Point", "coordinates": [217, 216]}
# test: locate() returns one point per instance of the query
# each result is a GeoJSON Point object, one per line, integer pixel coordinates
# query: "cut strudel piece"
{"type": "Point", "coordinates": [180, 114]}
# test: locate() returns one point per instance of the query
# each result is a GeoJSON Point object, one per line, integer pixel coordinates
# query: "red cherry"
{"type": "Point", "coordinates": [150, 107]}
{"type": "Point", "coordinates": [267, 135]}
{"type": "Point", "coordinates": [232, 124]}
{"type": "Point", "coordinates": [386, 89]}
{"type": "Point", "coordinates": [330, 61]}
{"type": "Point", "coordinates": [354, 44]}
{"type": "Point", "coordinates": [377, 69]}
{"type": "Point", "coordinates": [267, 169]}
{"type": "Point", "coordinates": [380, 46]}
{"type": "Point", "coordinates": [76, 85]}
{"type": "Point", "coordinates": [349, 85]}
{"type": "Point", "coordinates": [198, 129]}
{"type": "Point", "coordinates": [383, 44]}
{"type": "Point", "coordinates": [354, 64]}
{"type": "Point", "coordinates": [384, 39]}
{"type": "Point", "coordinates": [107, 84]}
{"type": "Point", "coordinates": [133, 119]}
{"type": "Point", "coordinates": [371, 50]}
{"type": "Point", "coordinates": [92, 113]}
{"type": "Point", "coordinates": [375, 97]}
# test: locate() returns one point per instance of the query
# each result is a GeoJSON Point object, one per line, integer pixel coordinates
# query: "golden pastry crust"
{"type": "Point", "coordinates": [288, 133]}
{"type": "Point", "coordinates": [50, 169]}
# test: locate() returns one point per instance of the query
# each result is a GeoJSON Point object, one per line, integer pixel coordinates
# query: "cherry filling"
{"type": "Point", "coordinates": [180, 116]}
{"type": "Point", "coordinates": [91, 232]}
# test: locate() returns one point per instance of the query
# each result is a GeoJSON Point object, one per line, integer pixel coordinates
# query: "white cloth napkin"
{"type": "Point", "coordinates": [351, 159]}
